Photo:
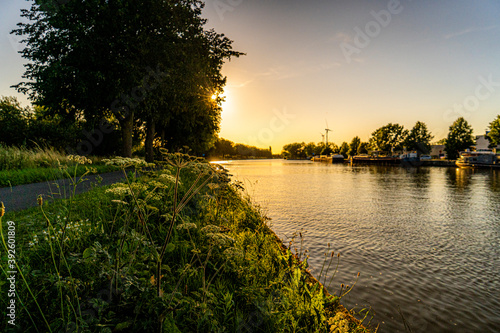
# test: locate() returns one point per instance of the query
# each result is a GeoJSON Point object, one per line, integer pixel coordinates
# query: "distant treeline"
{"type": "Point", "coordinates": [394, 138]}
{"type": "Point", "coordinates": [229, 150]}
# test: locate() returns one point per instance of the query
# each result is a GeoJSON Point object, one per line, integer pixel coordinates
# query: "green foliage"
{"type": "Point", "coordinates": [227, 149]}
{"type": "Point", "coordinates": [301, 150]}
{"type": "Point", "coordinates": [441, 142]}
{"type": "Point", "coordinates": [149, 64]}
{"type": "Point", "coordinates": [294, 151]}
{"type": "Point", "coordinates": [419, 139]}
{"type": "Point", "coordinates": [42, 174]}
{"type": "Point", "coordinates": [14, 121]}
{"type": "Point", "coordinates": [459, 138]}
{"type": "Point", "coordinates": [388, 138]}
{"type": "Point", "coordinates": [223, 148]}
{"type": "Point", "coordinates": [311, 149]}
{"type": "Point", "coordinates": [344, 148]}
{"type": "Point", "coordinates": [12, 158]}
{"type": "Point", "coordinates": [353, 146]}
{"type": "Point", "coordinates": [363, 148]}
{"type": "Point", "coordinates": [494, 134]}
{"type": "Point", "coordinates": [91, 262]}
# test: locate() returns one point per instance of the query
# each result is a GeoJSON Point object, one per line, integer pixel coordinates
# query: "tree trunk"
{"type": "Point", "coordinates": [162, 137]}
{"type": "Point", "coordinates": [127, 126]}
{"type": "Point", "coordinates": [150, 136]}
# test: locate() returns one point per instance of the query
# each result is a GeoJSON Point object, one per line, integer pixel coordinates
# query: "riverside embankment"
{"type": "Point", "coordinates": [177, 250]}
{"type": "Point", "coordinates": [417, 235]}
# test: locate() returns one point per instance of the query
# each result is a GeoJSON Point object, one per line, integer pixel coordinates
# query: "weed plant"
{"type": "Point", "coordinates": [179, 249]}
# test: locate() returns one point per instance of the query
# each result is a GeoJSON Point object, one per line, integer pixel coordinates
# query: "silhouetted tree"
{"type": "Point", "coordinates": [388, 138]}
{"type": "Point", "coordinates": [353, 146]}
{"type": "Point", "coordinates": [419, 139]}
{"type": "Point", "coordinates": [494, 134]}
{"type": "Point", "coordinates": [294, 150]}
{"type": "Point", "coordinates": [344, 148]}
{"type": "Point", "coordinates": [363, 148]}
{"type": "Point", "coordinates": [459, 138]}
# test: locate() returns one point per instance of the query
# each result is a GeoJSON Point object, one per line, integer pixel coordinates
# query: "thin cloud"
{"type": "Point", "coordinates": [286, 72]}
{"type": "Point", "coordinates": [469, 30]}
{"type": "Point", "coordinates": [240, 85]}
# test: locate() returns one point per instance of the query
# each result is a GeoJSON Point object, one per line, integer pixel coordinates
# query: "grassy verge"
{"type": "Point", "coordinates": [178, 250]}
{"type": "Point", "coordinates": [35, 175]}
{"type": "Point", "coordinates": [12, 158]}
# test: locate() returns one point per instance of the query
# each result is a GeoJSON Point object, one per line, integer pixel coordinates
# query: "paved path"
{"type": "Point", "coordinates": [25, 196]}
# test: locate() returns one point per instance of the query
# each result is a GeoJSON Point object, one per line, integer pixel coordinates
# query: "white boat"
{"type": "Point", "coordinates": [478, 159]}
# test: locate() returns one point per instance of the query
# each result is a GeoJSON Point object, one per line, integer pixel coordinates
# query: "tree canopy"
{"type": "Point", "coordinates": [148, 63]}
{"type": "Point", "coordinates": [459, 138]}
{"type": "Point", "coordinates": [294, 150]}
{"type": "Point", "coordinates": [388, 138]}
{"type": "Point", "coordinates": [363, 148]}
{"type": "Point", "coordinates": [344, 148]}
{"type": "Point", "coordinates": [353, 146]}
{"type": "Point", "coordinates": [419, 139]}
{"type": "Point", "coordinates": [14, 120]}
{"type": "Point", "coordinates": [494, 134]}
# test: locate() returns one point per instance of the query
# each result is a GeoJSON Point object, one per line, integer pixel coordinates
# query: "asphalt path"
{"type": "Point", "coordinates": [25, 196]}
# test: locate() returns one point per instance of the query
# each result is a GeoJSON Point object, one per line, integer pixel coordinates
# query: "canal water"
{"type": "Point", "coordinates": [425, 240]}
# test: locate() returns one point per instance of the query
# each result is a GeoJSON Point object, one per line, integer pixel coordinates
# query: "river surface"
{"type": "Point", "coordinates": [425, 240]}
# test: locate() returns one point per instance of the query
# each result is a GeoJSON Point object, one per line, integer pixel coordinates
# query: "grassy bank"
{"type": "Point", "coordinates": [178, 250]}
{"type": "Point", "coordinates": [36, 175]}
{"type": "Point", "coordinates": [14, 158]}
{"type": "Point", "coordinates": [20, 166]}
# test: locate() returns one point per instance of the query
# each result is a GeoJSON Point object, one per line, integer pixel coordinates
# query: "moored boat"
{"type": "Point", "coordinates": [478, 159]}
{"type": "Point", "coordinates": [328, 158]}
{"type": "Point", "coordinates": [338, 158]}
{"type": "Point", "coordinates": [367, 159]}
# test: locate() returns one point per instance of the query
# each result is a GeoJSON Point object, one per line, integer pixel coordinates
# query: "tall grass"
{"type": "Point", "coordinates": [177, 250]}
{"type": "Point", "coordinates": [12, 158]}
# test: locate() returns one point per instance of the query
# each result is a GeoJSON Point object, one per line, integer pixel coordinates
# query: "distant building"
{"type": "Point", "coordinates": [437, 151]}
{"type": "Point", "coordinates": [482, 142]}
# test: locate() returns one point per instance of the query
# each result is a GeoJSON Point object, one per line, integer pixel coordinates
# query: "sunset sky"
{"type": "Point", "coordinates": [357, 64]}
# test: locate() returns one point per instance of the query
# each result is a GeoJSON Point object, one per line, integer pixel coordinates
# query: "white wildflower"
{"type": "Point", "coordinates": [186, 226]}
{"type": "Point", "coordinates": [210, 229]}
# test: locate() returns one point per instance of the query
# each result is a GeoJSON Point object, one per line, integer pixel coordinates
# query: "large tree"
{"type": "Point", "coordinates": [388, 138]}
{"type": "Point", "coordinates": [363, 148]}
{"type": "Point", "coordinates": [14, 121]}
{"type": "Point", "coordinates": [353, 146]}
{"type": "Point", "coordinates": [419, 139]}
{"type": "Point", "coordinates": [344, 148]}
{"type": "Point", "coordinates": [459, 138]}
{"type": "Point", "coordinates": [494, 134]}
{"type": "Point", "coordinates": [294, 150]}
{"type": "Point", "coordinates": [131, 59]}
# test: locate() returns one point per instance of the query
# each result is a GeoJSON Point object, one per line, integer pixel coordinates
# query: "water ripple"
{"type": "Point", "coordinates": [425, 240]}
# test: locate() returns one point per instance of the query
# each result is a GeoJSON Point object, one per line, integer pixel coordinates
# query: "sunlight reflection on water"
{"type": "Point", "coordinates": [425, 240]}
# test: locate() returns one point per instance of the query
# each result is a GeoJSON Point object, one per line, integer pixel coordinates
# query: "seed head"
{"type": "Point", "coordinates": [40, 200]}
{"type": "Point", "coordinates": [2, 209]}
